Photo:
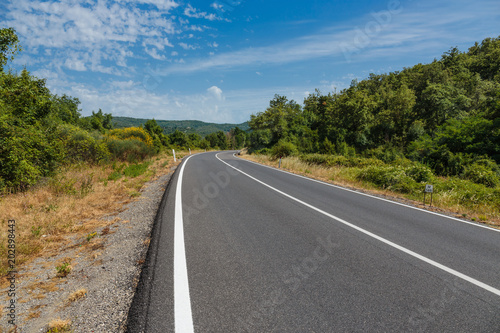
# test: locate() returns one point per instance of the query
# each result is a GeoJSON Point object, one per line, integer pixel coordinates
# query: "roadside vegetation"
{"type": "Point", "coordinates": [402, 179]}
{"type": "Point", "coordinates": [436, 123]}
{"type": "Point", "coordinates": [73, 203]}
{"type": "Point", "coordinates": [60, 172]}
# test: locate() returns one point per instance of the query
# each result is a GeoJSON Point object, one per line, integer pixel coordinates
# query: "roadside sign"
{"type": "Point", "coordinates": [428, 189]}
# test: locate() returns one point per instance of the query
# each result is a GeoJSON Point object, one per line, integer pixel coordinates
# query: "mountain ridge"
{"type": "Point", "coordinates": [187, 126]}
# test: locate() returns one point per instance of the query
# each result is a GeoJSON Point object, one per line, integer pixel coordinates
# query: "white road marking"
{"type": "Point", "coordinates": [182, 301]}
{"type": "Point", "coordinates": [375, 197]}
{"type": "Point", "coordinates": [383, 240]}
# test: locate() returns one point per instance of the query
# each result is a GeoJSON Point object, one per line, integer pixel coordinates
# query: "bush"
{"type": "Point", "coordinates": [481, 174]}
{"type": "Point", "coordinates": [26, 154]}
{"type": "Point", "coordinates": [81, 146]}
{"type": "Point", "coordinates": [283, 149]}
{"type": "Point", "coordinates": [130, 150]}
{"type": "Point", "coordinates": [388, 177]}
{"type": "Point", "coordinates": [319, 159]}
{"type": "Point", "coordinates": [467, 193]}
{"type": "Point", "coordinates": [386, 154]}
{"type": "Point", "coordinates": [132, 133]}
{"type": "Point", "coordinates": [420, 173]}
{"type": "Point", "coordinates": [405, 179]}
{"type": "Point", "coordinates": [339, 160]}
{"type": "Point", "coordinates": [263, 151]}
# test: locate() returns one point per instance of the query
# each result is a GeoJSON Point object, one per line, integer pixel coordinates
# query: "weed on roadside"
{"type": "Point", "coordinates": [64, 269]}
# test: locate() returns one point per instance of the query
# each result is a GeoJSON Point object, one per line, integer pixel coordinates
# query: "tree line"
{"type": "Point", "coordinates": [445, 115]}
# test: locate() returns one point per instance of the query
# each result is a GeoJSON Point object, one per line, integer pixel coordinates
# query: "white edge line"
{"type": "Point", "coordinates": [381, 239]}
{"type": "Point", "coordinates": [374, 197]}
{"type": "Point", "coordinates": [182, 302]}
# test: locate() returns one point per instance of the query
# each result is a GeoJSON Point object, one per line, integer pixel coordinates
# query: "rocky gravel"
{"type": "Point", "coordinates": [96, 295]}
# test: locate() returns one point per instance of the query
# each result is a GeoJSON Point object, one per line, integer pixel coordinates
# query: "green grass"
{"type": "Point", "coordinates": [135, 170]}
{"type": "Point", "coordinates": [64, 269]}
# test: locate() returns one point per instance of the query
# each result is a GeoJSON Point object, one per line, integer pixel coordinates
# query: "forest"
{"type": "Point", "coordinates": [442, 117]}
{"type": "Point", "coordinates": [41, 132]}
{"type": "Point", "coordinates": [186, 126]}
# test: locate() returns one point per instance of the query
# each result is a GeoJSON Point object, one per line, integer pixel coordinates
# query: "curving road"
{"type": "Point", "coordinates": [240, 247]}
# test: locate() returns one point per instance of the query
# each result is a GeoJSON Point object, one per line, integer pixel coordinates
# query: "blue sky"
{"type": "Point", "coordinates": [222, 60]}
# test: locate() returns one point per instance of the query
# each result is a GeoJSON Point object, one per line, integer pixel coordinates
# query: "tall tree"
{"type": "Point", "coordinates": [9, 46]}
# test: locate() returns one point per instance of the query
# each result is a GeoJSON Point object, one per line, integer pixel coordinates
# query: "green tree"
{"type": "Point", "coordinates": [178, 138]}
{"type": "Point", "coordinates": [153, 128]}
{"type": "Point", "coordinates": [276, 118]}
{"type": "Point", "coordinates": [9, 46]}
{"type": "Point", "coordinates": [66, 108]}
{"type": "Point", "coordinates": [25, 97]}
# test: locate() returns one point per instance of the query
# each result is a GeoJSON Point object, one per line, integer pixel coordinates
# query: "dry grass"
{"type": "Point", "coordinates": [346, 177]}
{"type": "Point", "coordinates": [76, 295]}
{"type": "Point", "coordinates": [59, 325]}
{"type": "Point", "coordinates": [72, 203]}
{"type": "Point", "coordinates": [44, 287]}
{"type": "Point", "coordinates": [34, 314]}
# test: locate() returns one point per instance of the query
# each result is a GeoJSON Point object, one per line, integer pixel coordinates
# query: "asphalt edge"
{"type": "Point", "coordinates": [139, 308]}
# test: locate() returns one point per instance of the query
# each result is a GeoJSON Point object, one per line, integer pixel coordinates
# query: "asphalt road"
{"type": "Point", "coordinates": [240, 247]}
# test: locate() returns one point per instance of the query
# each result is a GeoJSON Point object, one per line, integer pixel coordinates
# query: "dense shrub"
{"type": "Point", "coordinates": [468, 193]}
{"type": "Point", "coordinates": [388, 177]}
{"type": "Point", "coordinates": [26, 154]}
{"type": "Point", "coordinates": [263, 151]}
{"type": "Point", "coordinates": [131, 150]}
{"type": "Point", "coordinates": [420, 173]}
{"type": "Point", "coordinates": [81, 146]}
{"type": "Point", "coordinates": [130, 144]}
{"type": "Point", "coordinates": [339, 160]}
{"type": "Point", "coordinates": [283, 149]}
{"type": "Point", "coordinates": [399, 178]}
{"type": "Point", "coordinates": [131, 133]}
{"type": "Point", "coordinates": [481, 174]}
{"type": "Point", "coordinates": [385, 153]}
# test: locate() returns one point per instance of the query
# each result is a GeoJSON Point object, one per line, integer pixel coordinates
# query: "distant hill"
{"type": "Point", "coordinates": [187, 126]}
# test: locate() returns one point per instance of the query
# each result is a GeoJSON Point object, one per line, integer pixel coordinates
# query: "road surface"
{"type": "Point", "coordinates": [240, 247]}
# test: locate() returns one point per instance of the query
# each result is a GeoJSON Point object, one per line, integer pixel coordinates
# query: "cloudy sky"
{"type": "Point", "coordinates": [222, 60]}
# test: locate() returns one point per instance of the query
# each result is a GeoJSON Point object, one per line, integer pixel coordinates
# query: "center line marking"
{"type": "Point", "coordinates": [182, 301]}
{"type": "Point", "coordinates": [383, 240]}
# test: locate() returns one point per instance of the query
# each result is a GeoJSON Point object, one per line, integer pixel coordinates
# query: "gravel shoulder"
{"type": "Point", "coordinates": [96, 295]}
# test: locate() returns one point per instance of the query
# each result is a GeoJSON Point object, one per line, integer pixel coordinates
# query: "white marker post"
{"type": "Point", "coordinates": [173, 151]}
{"type": "Point", "coordinates": [189, 151]}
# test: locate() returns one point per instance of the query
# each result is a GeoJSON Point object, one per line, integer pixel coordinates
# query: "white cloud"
{"type": "Point", "coordinates": [75, 64]}
{"type": "Point", "coordinates": [194, 28]}
{"type": "Point", "coordinates": [96, 30]}
{"type": "Point", "coordinates": [130, 99]}
{"type": "Point", "coordinates": [154, 54]}
{"type": "Point", "coordinates": [159, 43]}
{"type": "Point", "coordinates": [123, 84]}
{"type": "Point", "coordinates": [186, 46]}
{"type": "Point", "coordinates": [217, 6]}
{"type": "Point", "coordinates": [165, 5]}
{"type": "Point", "coordinates": [190, 11]}
{"type": "Point", "coordinates": [411, 28]}
{"type": "Point", "coordinates": [216, 92]}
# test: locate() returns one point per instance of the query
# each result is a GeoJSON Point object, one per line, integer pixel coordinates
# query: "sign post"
{"type": "Point", "coordinates": [428, 189]}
